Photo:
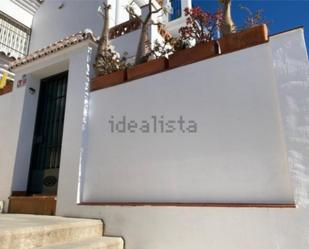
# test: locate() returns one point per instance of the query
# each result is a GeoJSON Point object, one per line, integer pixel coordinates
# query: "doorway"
{"type": "Point", "coordinates": [47, 139]}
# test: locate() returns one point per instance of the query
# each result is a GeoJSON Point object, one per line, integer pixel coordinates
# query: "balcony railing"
{"type": "Point", "coordinates": [124, 28]}
{"type": "Point", "coordinates": [14, 36]}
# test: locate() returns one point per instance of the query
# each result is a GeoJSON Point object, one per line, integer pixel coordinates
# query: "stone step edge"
{"type": "Point", "coordinates": [51, 234]}
{"type": "Point", "coordinates": [105, 242]}
{"type": "Point", "coordinates": [80, 223]}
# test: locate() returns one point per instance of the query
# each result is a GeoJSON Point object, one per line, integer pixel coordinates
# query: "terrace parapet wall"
{"type": "Point", "coordinates": [231, 43]}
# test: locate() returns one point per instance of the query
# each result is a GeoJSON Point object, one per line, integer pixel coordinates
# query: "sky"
{"type": "Point", "coordinates": [282, 15]}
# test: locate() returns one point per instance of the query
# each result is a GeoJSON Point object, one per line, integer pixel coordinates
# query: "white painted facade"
{"type": "Point", "coordinates": [292, 75]}
{"type": "Point", "coordinates": [269, 136]}
{"type": "Point", "coordinates": [251, 144]}
{"type": "Point", "coordinates": [56, 19]}
{"type": "Point", "coordinates": [232, 156]}
{"type": "Point", "coordinates": [52, 23]}
{"type": "Point", "coordinates": [15, 11]}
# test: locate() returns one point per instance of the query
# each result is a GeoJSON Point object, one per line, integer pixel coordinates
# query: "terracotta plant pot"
{"type": "Point", "coordinates": [108, 80]}
{"type": "Point", "coordinates": [148, 68]}
{"type": "Point", "coordinates": [199, 52]}
{"type": "Point", "coordinates": [8, 88]}
{"type": "Point", "coordinates": [244, 39]}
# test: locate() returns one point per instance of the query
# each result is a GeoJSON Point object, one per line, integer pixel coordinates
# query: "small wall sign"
{"type": "Point", "coordinates": [22, 81]}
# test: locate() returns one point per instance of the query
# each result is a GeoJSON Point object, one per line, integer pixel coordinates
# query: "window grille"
{"type": "Point", "coordinates": [14, 36]}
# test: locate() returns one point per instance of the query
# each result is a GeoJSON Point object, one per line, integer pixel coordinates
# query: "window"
{"type": "Point", "coordinates": [14, 36]}
{"type": "Point", "coordinates": [177, 10]}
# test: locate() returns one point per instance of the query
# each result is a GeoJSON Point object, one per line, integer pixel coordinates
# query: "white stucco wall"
{"type": "Point", "coordinates": [11, 9]}
{"type": "Point", "coordinates": [292, 73]}
{"type": "Point", "coordinates": [25, 137]}
{"type": "Point", "coordinates": [126, 44]}
{"type": "Point", "coordinates": [10, 122]}
{"type": "Point", "coordinates": [5, 173]}
{"type": "Point", "coordinates": [191, 227]}
{"type": "Point", "coordinates": [236, 155]}
{"type": "Point", "coordinates": [56, 19]}
{"type": "Point", "coordinates": [19, 107]}
{"type": "Point", "coordinates": [186, 227]}
{"type": "Point", "coordinates": [36, 71]}
{"type": "Point", "coordinates": [51, 24]}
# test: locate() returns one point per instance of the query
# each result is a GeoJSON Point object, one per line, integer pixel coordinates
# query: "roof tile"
{"type": "Point", "coordinates": [54, 47]}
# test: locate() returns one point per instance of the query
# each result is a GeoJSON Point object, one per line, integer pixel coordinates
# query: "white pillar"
{"type": "Point", "coordinates": [118, 13]}
{"type": "Point", "coordinates": [75, 128]}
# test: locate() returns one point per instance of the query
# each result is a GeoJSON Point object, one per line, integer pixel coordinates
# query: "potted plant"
{"type": "Point", "coordinates": [244, 39]}
{"type": "Point", "coordinates": [227, 25]}
{"type": "Point", "coordinates": [254, 32]}
{"type": "Point", "coordinates": [198, 34]}
{"type": "Point", "coordinates": [145, 63]}
{"type": "Point", "coordinates": [110, 68]}
{"type": "Point", "coordinates": [148, 68]}
{"type": "Point", "coordinates": [6, 85]}
{"type": "Point", "coordinates": [7, 88]}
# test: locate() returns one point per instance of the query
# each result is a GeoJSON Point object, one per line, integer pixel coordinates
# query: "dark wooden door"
{"type": "Point", "coordinates": [47, 140]}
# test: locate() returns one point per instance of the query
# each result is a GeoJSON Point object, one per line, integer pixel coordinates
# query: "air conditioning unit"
{"type": "Point", "coordinates": [1, 207]}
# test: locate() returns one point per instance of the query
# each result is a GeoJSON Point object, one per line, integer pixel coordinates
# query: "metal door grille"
{"type": "Point", "coordinates": [47, 140]}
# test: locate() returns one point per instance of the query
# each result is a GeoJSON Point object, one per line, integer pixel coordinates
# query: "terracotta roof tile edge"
{"type": "Point", "coordinates": [54, 47]}
{"type": "Point", "coordinates": [2, 53]}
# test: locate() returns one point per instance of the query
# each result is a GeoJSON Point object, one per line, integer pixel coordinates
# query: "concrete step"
{"type": "Point", "coordinates": [97, 243]}
{"type": "Point", "coordinates": [33, 231]}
